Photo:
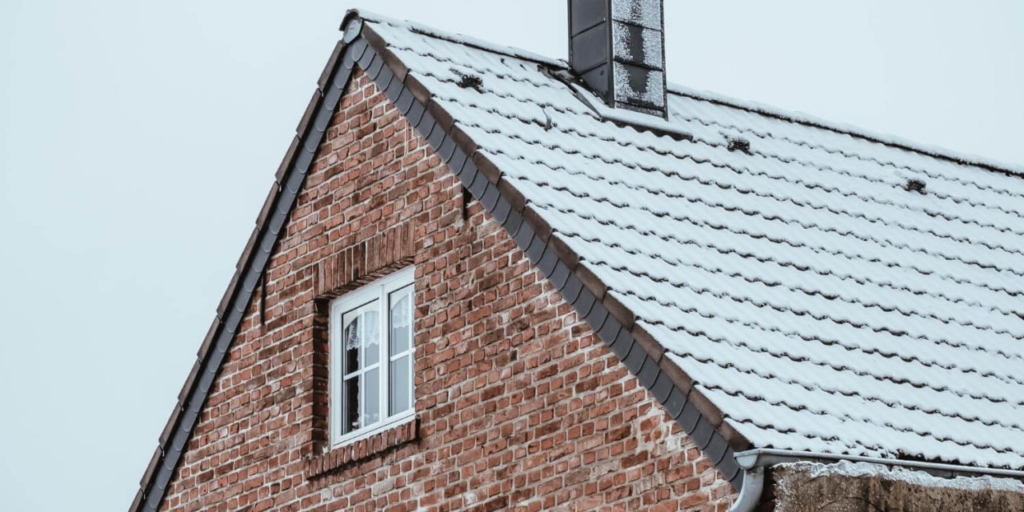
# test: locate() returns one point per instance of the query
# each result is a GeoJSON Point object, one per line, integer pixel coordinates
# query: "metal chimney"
{"type": "Point", "coordinates": [618, 48]}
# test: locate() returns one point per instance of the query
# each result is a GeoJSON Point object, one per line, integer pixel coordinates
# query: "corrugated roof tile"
{"type": "Point", "coordinates": [817, 303]}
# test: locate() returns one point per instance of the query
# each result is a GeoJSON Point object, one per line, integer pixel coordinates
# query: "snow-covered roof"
{"type": "Point", "coordinates": [827, 290]}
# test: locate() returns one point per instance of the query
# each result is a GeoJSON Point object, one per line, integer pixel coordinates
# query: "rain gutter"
{"type": "Point", "coordinates": [762, 458]}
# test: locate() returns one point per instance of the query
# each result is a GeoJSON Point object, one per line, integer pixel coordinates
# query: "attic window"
{"type": "Point", "coordinates": [371, 346]}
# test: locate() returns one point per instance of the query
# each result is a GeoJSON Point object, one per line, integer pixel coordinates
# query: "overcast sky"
{"type": "Point", "coordinates": [139, 139]}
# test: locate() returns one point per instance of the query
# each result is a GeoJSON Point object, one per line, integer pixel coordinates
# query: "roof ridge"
{"type": "Point", "coordinates": [847, 129]}
{"type": "Point", "coordinates": [451, 37]}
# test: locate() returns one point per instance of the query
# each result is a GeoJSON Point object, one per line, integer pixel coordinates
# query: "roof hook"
{"type": "Point", "coordinates": [468, 80]}
{"type": "Point", "coordinates": [915, 185]}
{"type": "Point", "coordinates": [738, 144]}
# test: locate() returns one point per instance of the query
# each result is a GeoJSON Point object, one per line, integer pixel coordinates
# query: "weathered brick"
{"type": "Point", "coordinates": [520, 406]}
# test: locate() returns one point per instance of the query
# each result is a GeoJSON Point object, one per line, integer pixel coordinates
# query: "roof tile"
{"type": "Point", "coordinates": [818, 303]}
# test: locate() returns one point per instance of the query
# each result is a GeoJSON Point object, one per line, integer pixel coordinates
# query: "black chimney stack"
{"type": "Point", "coordinates": [618, 48]}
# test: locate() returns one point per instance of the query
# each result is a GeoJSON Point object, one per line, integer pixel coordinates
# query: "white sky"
{"type": "Point", "coordinates": [138, 141]}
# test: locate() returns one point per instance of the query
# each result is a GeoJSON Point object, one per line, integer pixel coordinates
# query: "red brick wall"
{"type": "Point", "coordinates": [521, 407]}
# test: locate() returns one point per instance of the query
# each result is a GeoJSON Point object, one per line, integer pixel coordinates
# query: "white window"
{"type": "Point", "coordinates": [372, 358]}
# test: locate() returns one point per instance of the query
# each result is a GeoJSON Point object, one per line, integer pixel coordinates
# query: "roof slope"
{"type": "Point", "coordinates": [770, 278]}
{"type": "Point", "coordinates": [791, 269]}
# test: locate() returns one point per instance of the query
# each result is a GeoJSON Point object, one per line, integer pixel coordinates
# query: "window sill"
{"type": "Point", "coordinates": [363, 449]}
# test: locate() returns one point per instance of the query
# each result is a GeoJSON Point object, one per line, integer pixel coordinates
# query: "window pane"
{"type": "Point", "coordinates": [401, 385]}
{"type": "Point", "coordinates": [361, 338]}
{"type": "Point", "coordinates": [371, 397]}
{"type": "Point", "coordinates": [351, 342]}
{"type": "Point", "coordinates": [371, 335]}
{"type": "Point", "coordinates": [401, 320]}
{"type": "Point", "coordinates": [350, 407]}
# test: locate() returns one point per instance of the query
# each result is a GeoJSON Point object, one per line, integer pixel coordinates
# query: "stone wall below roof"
{"type": "Point", "coordinates": [849, 487]}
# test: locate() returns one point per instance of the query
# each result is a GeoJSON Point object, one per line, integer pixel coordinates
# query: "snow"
{"type": "Point", "coordinates": [919, 478]}
{"type": "Point", "coordinates": [461, 39]}
{"type": "Point", "coordinates": [812, 298]}
{"type": "Point", "coordinates": [646, 13]}
{"type": "Point", "coordinates": [634, 120]}
{"type": "Point", "coordinates": [964, 159]}
{"type": "Point", "coordinates": [653, 56]}
{"type": "Point", "coordinates": [653, 93]}
{"type": "Point", "coordinates": [623, 45]}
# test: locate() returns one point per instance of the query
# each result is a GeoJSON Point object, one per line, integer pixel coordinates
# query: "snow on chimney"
{"type": "Point", "coordinates": [618, 48]}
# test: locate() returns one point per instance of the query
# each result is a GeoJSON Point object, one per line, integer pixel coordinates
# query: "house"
{"type": "Point", "coordinates": [490, 280]}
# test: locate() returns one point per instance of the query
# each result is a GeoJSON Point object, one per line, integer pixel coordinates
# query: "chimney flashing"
{"type": "Point", "coordinates": [639, 120]}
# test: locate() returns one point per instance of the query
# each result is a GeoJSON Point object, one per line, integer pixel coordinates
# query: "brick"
{"type": "Point", "coordinates": [519, 402]}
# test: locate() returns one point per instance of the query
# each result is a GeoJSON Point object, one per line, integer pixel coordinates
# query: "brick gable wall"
{"type": "Point", "coordinates": [520, 406]}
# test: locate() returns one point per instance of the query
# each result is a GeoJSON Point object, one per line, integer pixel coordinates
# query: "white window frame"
{"type": "Point", "coordinates": [377, 291]}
